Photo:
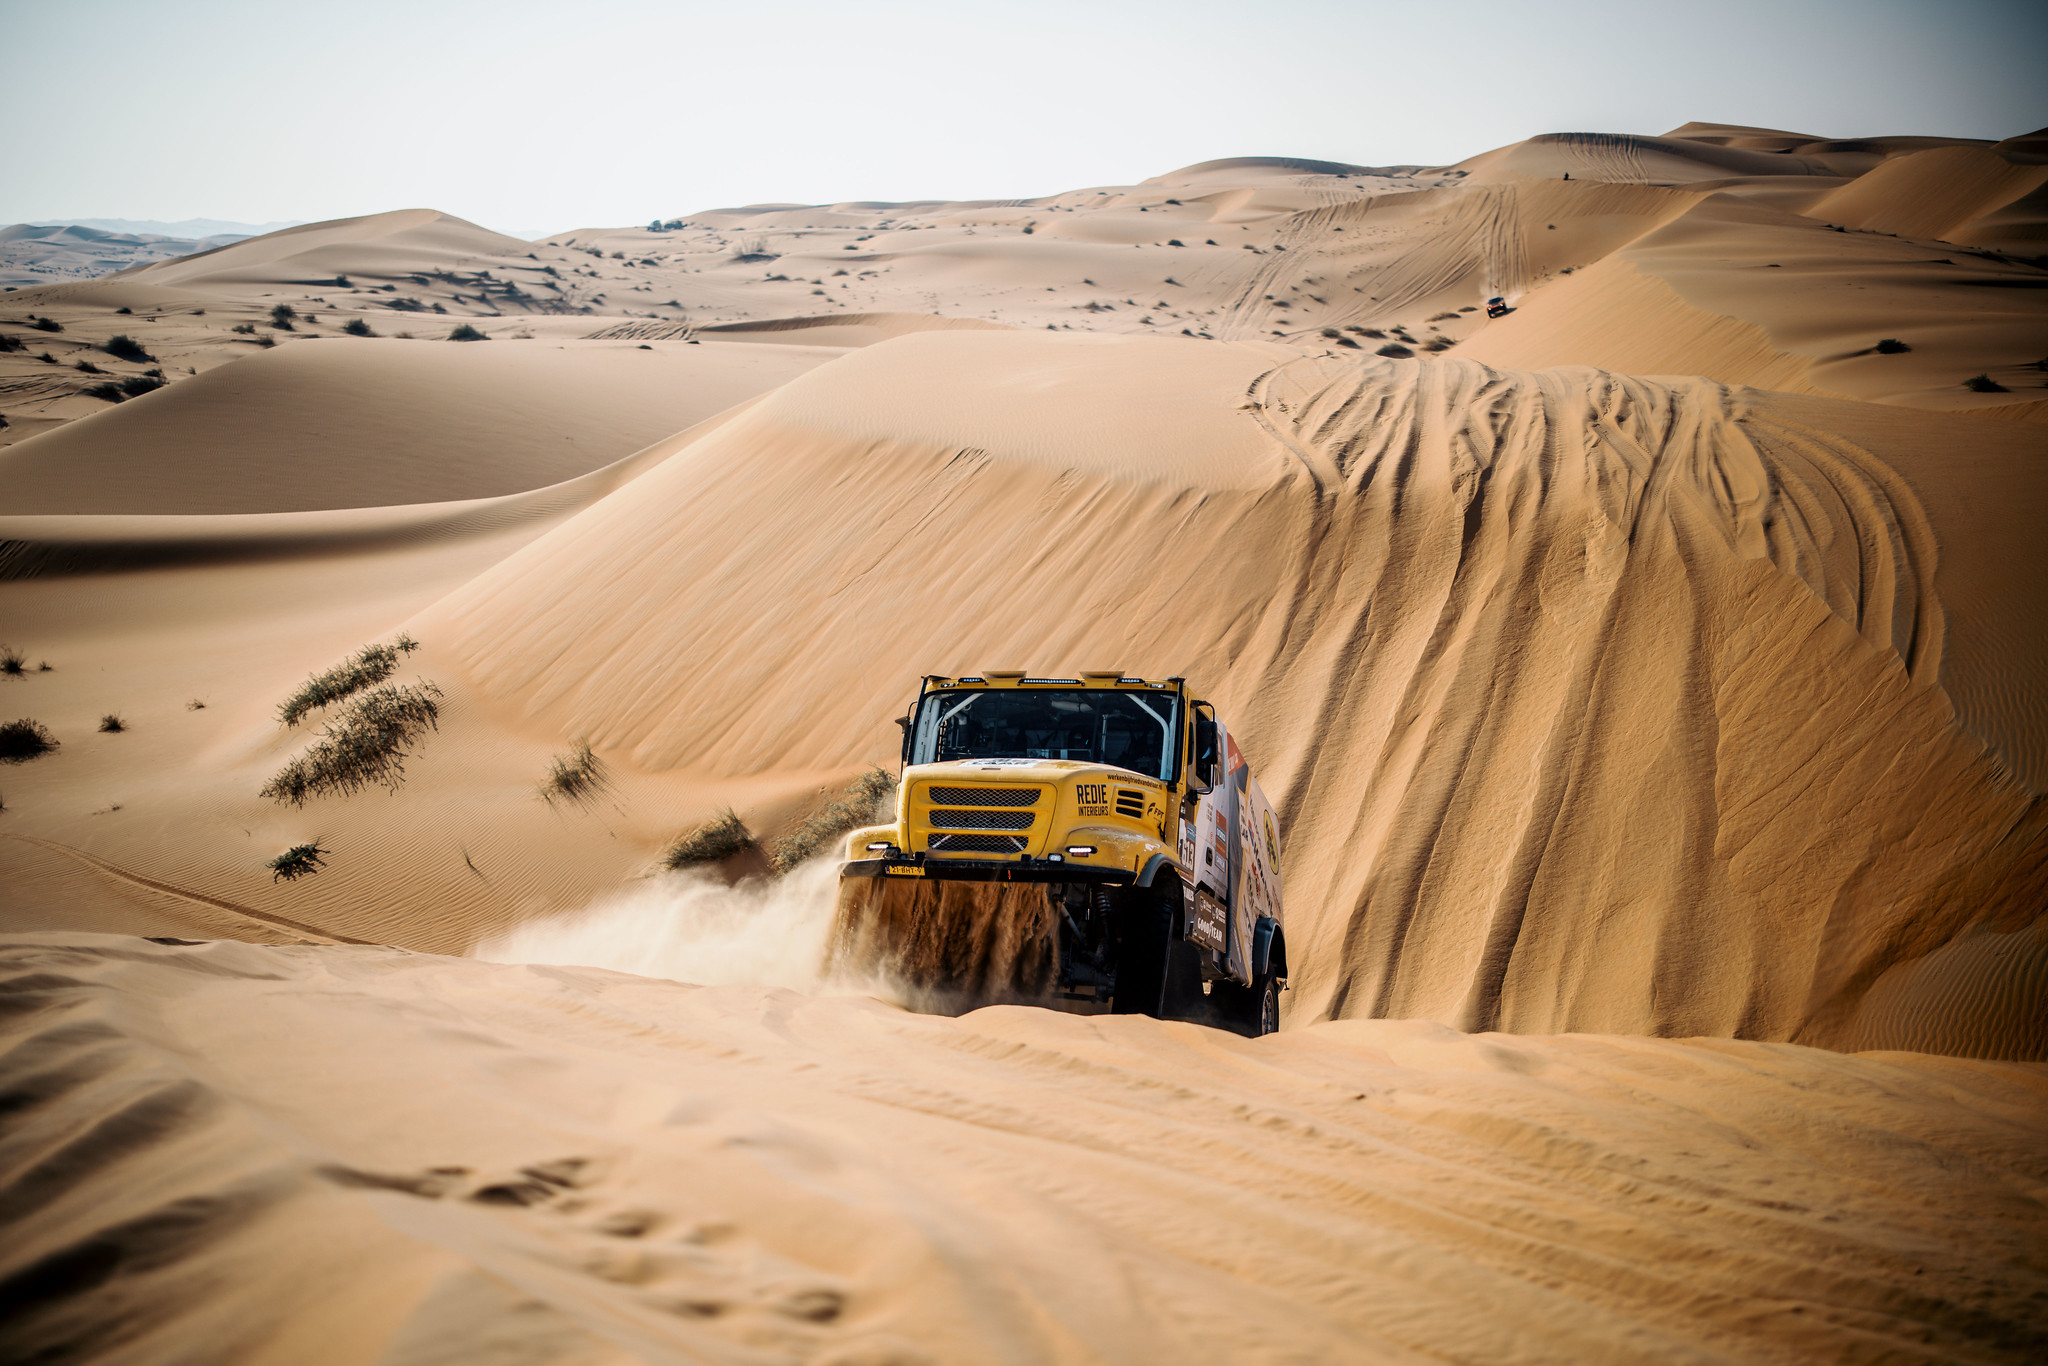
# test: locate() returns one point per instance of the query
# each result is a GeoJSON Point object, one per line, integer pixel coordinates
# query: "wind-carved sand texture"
{"type": "Point", "coordinates": [1650, 683]}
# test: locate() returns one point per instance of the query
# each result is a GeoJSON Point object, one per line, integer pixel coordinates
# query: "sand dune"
{"type": "Point", "coordinates": [367, 422]}
{"type": "Point", "coordinates": [362, 1155]}
{"type": "Point", "coordinates": [1739, 224]}
{"type": "Point", "coordinates": [400, 243]}
{"type": "Point", "coordinates": [1808, 567]}
{"type": "Point", "coordinates": [1664, 658]}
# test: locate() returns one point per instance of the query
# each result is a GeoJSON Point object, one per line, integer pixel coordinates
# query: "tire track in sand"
{"type": "Point", "coordinates": [121, 874]}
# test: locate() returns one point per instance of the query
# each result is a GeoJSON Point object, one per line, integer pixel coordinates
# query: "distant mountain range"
{"type": "Point", "coordinates": [190, 227]}
{"type": "Point", "coordinates": [42, 254]}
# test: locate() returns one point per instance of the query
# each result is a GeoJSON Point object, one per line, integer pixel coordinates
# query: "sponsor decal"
{"type": "Point", "coordinates": [1093, 797]}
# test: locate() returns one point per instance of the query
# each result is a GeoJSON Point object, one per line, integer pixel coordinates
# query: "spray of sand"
{"type": "Point", "coordinates": [937, 948]}
{"type": "Point", "coordinates": [692, 927]}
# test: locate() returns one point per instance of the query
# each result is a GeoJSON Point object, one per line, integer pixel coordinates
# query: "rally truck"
{"type": "Point", "coordinates": [1095, 841]}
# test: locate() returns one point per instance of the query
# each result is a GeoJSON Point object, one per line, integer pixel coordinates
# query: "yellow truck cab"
{"type": "Point", "coordinates": [1126, 801]}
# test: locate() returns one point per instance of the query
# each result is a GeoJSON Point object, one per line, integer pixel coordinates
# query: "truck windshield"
{"type": "Point", "coordinates": [1128, 729]}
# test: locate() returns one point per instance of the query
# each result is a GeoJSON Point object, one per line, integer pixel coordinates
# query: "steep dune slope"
{"type": "Point", "coordinates": [1591, 702]}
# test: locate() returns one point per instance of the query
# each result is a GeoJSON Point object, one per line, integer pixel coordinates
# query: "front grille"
{"type": "Point", "coordinates": [976, 844]}
{"type": "Point", "coordinates": [982, 820]}
{"type": "Point", "coordinates": [983, 796]}
{"type": "Point", "coordinates": [1129, 803]}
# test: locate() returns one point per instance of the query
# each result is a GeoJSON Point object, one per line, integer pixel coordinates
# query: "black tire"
{"type": "Point", "coordinates": [1249, 1010]}
{"type": "Point", "coordinates": [1265, 1012]}
{"type": "Point", "coordinates": [1145, 947]}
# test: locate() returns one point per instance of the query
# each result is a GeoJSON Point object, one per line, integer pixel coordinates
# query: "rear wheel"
{"type": "Point", "coordinates": [1267, 991]}
{"type": "Point", "coordinates": [1250, 1010]}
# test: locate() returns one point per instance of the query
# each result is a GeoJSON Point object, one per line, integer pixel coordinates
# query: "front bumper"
{"type": "Point", "coordinates": [1025, 869]}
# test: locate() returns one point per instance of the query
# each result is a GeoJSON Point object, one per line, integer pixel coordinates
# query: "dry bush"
{"type": "Point", "coordinates": [23, 740]}
{"type": "Point", "coordinates": [1984, 384]}
{"type": "Point", "coordinates": [356, 327]}
{"type": "Point", "coordinates": [366, 744]}
{"type": "Point", "coordinates": [468, 333]}
{"type": "Point", "coordinates": [112, 724]}
{"type": "Point", "coordinates": [297, 861]}
{"type": "Point", "coordinates": [1394, 350]}
{"type": "Point", "coordinates": [365, 668]}
{"type": "Point", "coordinates": [121, 346]}
{"type": "Point", "coordinates": [867, 799]}
{"type": "Point", "coordinates": [576, 779]}
{"type": "Point", "coordinates": [714, 841]}
{"type": "Point", "coordinates": [13, 663]}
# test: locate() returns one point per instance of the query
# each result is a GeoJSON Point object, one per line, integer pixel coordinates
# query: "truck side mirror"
{"type": "Point", "coordinates": [903, 722]}
{"type": "Point", "coordinates": [1204, 775]}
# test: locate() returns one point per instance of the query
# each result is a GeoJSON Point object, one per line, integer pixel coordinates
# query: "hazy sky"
{"type": "Point", "coordinates": [541, 117]}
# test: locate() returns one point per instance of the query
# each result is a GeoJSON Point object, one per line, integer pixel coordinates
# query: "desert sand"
{"type": "Point", "coordinates": [1652, 683]}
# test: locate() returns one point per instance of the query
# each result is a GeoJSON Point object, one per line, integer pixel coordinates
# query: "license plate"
{"type": "Point", "coordinates": [904, 872]}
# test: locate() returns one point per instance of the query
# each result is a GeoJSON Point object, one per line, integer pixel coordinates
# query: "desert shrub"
{"type": "Point", "coordinates": [366, 744]}
{"type": "Point", "coordinates": [575, 778]}
{"type": "Point", "coordinates": [1435, 344]}
{"type": "Point", "coordinates": [1331, 333]}
{"type": "Point", "coordinates": [1444, 317]}
{"type": "Point", "coordinates": [47, 325]}
{"type": "Point", "coordinates": [356, 327]}
{"type": "Point", "coordinates": [865, 801]}
{"type": "Point", "coordinates": [281, 316]}
{"type": "Point", "coordinates": [297, 861]}
{"type": "Point", "coordinates": [23, 740]}
{"type": "Point", "coordinates": [467, 333]}
{"type": "Point", "coordinates": [246, 329]}
{"type": "Point", "coordinates": [1891, 346]}
{"type": "Point", "coordinates": [112, 724]}
{"type": "Point", "coordinates": [715, 841]}
{"type": "Point", "coordinates": [124, 309]}
{"type": "Point", "coordinates": [121, 346]}
{"type": "Point", "coordinates": [1395, 350]}
{"type": "Point", "coordinates": [1175, 242]}
{"type": "Point", "coordinates": [1372, 332]}
{"type": "Point", "coordinates": [1346, 341]}
{"type": "Point", "coordinates": [89, 368]}
{"type": "Point", "coordinates": [365, 668]}
{"type": "Point", "coordinates": [1984, 384]}
{"type": "Point", "coordinates": [14, 343]}
{"type": "Point", "coordinates": [117, 390]}
{"type": "Point", "coordinates": [266, 342]}
{"type": "Point", "coordinates": [13, 663]}
{"type": "Point", "coordinates": [195, 705]}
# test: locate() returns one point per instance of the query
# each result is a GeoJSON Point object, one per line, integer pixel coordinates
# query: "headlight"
{"type": "Point", "coordinates": [1082, 849]}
